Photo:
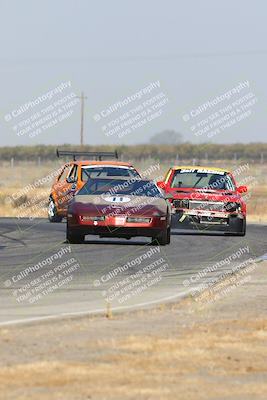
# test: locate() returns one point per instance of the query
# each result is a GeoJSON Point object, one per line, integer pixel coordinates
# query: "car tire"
{"type": "Point", "coordinates": [169, 235]}
{"type": "Point", "coordinates": [244, 229]}
{"type": "Point", "coordinates": [74, 238]}
{"type": "Point", "coordinates": [52, 211]}
{"type": "Point", "coordinates": [237, 228]}
{"type": "Point", "coordinates": [163, 238]}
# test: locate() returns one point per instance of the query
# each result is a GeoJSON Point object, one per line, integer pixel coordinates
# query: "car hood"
{"type": "Point", "coordinates": [121, 204]}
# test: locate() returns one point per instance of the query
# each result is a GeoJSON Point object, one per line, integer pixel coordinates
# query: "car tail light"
{"type": "Point", "coordinates": [138, 220]}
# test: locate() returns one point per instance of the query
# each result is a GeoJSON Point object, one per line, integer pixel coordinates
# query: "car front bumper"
{"type": "Point", "coordinates": [117, 226]}
{"type": "Point", "coordinates": [207, 220]}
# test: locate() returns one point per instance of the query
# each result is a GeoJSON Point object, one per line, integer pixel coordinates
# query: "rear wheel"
{"type": "Point", "coordinates": [52, 212]}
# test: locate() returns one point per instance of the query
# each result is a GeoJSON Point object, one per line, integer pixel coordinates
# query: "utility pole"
{"type": "Point", "coordinates": [82, 98]}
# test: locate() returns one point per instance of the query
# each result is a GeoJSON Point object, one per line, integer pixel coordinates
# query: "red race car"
{"type": "Point", "coordinates": [205, 198]}
{"type": "Point", "coordinates": [119, 207]}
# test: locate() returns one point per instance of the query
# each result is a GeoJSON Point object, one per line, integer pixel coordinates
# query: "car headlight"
{"type": "Point", "coordinates": [92, 218]}
{"type": "Point", "coordinates": [181, 203]}
{"type": "Point", "coordinates": [232, 206]}
{"type": "Point", "coordinates": [138, 220]}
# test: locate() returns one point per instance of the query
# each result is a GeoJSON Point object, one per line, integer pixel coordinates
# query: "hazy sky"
{"type": "Point", "coordinates": [196, 50]}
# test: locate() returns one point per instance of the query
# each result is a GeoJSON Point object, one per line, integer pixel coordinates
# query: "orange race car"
{"type": "Point", "coordinates": [75, 174]}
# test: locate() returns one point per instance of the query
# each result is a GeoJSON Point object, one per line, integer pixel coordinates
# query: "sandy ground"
{"type": "Point", "coordinates": [190, 350]}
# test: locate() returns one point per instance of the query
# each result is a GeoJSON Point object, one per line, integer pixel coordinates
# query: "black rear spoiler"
{"type": "Point", "coordinates": [90, 155]}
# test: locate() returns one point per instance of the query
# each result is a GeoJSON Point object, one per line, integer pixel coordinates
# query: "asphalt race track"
{"type": "Point", "coordinates": [42, 276]}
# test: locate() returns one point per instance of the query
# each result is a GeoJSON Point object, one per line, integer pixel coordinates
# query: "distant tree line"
{"type": "Point", "coordinates": [183, 151]}
{"type": "Point", "coordinates": [167, 137]}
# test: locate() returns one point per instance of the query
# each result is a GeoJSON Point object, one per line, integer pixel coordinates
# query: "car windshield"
{"type": "Point", "coordinates": [111, 187]}
{"type": "Point", "coordinates": [202, 179]}
{"type": "Point", "coordinates": [106, 171]}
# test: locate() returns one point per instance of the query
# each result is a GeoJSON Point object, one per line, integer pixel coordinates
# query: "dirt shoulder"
{"type": "Point", "coordinates": [190, 350]}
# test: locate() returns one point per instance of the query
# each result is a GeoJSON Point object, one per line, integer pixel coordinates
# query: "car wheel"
{"type": "Point", "coordinates": [74, 237]}
{"type": "Point", "coordinates": [163, 238]}
{"type": "Point", "coordinates": [52, 212]}
{"type": "Point", "coordinates": [169, 235]}
{"type": "Point", "coordinates": [244, 228]}
{"type": "Point", "coordinates": [237, 228]}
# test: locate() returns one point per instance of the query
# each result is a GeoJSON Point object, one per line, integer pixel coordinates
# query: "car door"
{"type": "Point", "coordinates": [65, 184]}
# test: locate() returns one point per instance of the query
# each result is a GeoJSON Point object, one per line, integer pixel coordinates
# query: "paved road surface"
{"type": "Point", "coordinates": [42, 276]}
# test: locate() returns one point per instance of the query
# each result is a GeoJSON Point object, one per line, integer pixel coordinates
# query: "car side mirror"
{"type": "Point", "coordinates": [73, 190]}
{"type": "Point", "coordinates": [161, 185]}
{"type": "Point", "coordinates": [242, 189]}
{"type": "Point", "coordinates": [70, 180]}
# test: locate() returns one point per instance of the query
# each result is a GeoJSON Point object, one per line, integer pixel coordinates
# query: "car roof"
{"type": "Point", "coordinates": [121, 178]}
{"type": "Point", "coordinates": [199, 167]}
{"type": "Point", "coordinates": [94, 162]}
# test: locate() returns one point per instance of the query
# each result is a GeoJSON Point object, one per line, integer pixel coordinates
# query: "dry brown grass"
{"type": "Point", "coordinates": [15, 199]}
{"type": "Point", "coordinates": [23, 174]}
{"type": "Point", "coordinates": [206, 362]}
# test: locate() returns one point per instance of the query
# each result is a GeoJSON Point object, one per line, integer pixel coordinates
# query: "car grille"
{"type": "Point", "coordinates": [206, 205]}
{"type": "Point", "coordinates": [181, 203]}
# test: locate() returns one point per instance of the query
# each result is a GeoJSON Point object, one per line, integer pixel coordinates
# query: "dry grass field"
{"type": "Point", "coordinates": [18, 199]}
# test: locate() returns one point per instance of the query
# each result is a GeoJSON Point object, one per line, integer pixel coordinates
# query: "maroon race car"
{"type": "Point", "coordinates": [119, 207]}
{"type": "Point", "coordinates": [205, 199]}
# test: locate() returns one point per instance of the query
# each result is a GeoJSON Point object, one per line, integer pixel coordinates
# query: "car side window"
{"type": "Point", "coordinates": [229, 183]}
{"type": "Point", "coordinates": [73, 173]}
{"type": "Point", "coordinates": [64, 173]}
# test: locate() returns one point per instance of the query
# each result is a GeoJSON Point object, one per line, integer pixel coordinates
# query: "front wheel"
{"type": "Point", "coordinates": [244, 228]}
{"type": "Point", "coordinates": [52, 212]}
{"type": "Point", "coordinates": [163, 238]}
{"type": "Point", "coordinates": [237, 227]}
{"type": "Point", "coordinates": [74, 237]}
{"type": "Point", "coordinates": [169, 235]}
